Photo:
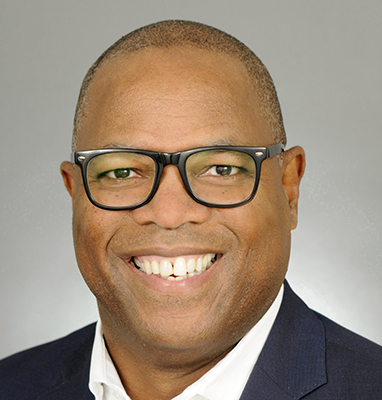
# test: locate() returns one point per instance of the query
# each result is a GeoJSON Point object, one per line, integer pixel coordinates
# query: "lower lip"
{"type": "Point", "coordinates": [159, 284]}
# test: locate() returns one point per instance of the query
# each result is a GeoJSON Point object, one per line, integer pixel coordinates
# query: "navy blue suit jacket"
{"type": "Point", "coordinates": [306, 356]}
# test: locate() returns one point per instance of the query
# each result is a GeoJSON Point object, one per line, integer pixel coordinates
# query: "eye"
{"type": "Point", "coordinates": [120, 173]}
{"type": "Point", "coordinates": [222, 170]}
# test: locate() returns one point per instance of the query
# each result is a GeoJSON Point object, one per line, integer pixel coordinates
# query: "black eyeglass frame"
{"type": "Point", "coordinates": [258, 154]}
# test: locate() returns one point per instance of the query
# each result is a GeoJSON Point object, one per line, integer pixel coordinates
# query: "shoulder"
{"type": "Point", "coordinates": [33, 370]}
{"type": "Point", "coordinates": [351, 353]}
{"type": "Point", "coordinates": [307, 354]}
{"type": "Point", "coordinates": [340, 343]}
{"type": "Point", "coordinates": [353, 365]}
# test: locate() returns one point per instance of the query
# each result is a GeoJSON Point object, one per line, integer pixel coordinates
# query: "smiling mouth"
{"type": "Point", "coordinates": [175, 269]}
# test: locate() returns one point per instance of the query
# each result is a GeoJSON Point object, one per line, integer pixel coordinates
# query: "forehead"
{"type": "Point", "coordinates": [157, 92]}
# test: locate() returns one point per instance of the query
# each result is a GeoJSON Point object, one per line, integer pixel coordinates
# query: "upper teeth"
{"type": "Point", "coordinates": [177, 270]}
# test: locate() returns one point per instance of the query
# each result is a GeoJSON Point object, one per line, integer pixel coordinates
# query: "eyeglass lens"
{"type": "Point", "coordinates": [124, 179]}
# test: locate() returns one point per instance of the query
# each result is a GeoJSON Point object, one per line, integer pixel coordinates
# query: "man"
{"type": "Point", "coordinates": [183, 201]}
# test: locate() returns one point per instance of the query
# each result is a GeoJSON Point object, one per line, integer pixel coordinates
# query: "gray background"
{"type": "Point", "coordinates": [325, 57]}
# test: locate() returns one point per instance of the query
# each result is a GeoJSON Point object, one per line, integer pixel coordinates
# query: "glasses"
{"type": "Point", "coordinates": [217, 176]}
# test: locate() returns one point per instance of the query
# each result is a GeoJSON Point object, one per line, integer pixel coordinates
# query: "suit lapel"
{"type": "Point", "coordinates": [292, 362]}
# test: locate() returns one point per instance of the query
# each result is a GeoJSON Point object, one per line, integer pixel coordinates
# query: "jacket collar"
{"type": "Point", "coordinates": [292, 362]}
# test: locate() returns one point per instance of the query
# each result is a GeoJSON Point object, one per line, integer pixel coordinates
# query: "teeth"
{"type": "Point", "coordinates": [155, 267]}
{"type": "Point", "coordinates": [165, 267]}
{"type": "Point", "coordinates": [147, 267]}
{"type": "Point", "coordinates": [190, 275]}
{"type": "Point", "coordinates": [181, 269]}
{"type": "Point", "coordinates": [199, 264]}
{"type": "Point", "coordinates": [191, 265]}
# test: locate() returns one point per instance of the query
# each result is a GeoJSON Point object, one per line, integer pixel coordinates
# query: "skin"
{"type": "Point", "coordinates": [162, 335]}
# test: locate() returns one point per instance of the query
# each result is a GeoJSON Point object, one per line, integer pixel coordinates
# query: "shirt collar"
{"type": "Point", "coordinates": [226, 380]}
{"type": "Point", "coordinates": [104, 378]}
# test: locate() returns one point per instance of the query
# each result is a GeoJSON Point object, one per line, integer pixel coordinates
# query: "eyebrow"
{"type": "Point", "coordinates": [218, 142]}
{"type": "Point", "coordinates": [114, 146]}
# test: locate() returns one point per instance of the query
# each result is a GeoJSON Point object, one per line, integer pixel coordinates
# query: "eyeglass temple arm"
{"type": "Point", "coordinates": [275, 149]}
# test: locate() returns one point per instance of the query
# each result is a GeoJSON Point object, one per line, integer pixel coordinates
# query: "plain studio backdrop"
{"type": "Point", "coordinates": [325, 58]}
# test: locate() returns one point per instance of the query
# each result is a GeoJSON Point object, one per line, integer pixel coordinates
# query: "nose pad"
{"type": "Point", "coordinates": [171, 205]}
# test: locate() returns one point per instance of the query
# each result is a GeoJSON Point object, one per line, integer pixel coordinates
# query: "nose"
{"type": "Point", "coordinates": [171, 207]}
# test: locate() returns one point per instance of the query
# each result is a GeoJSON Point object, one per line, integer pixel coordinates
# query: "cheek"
{"type": "Point", "coordinates": [263, 236]}
{"type": "Point", "coordinates": [261, 224]}
{"type": "Point", "coordinates": [92, 230]}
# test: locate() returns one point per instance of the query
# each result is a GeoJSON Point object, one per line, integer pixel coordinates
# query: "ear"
{"type": "Point", "coordinates": [293, 170]}
{"type": "Point", "coordinates": [67, 172]}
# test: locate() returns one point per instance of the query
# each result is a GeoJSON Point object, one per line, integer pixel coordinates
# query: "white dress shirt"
{"type": "Point", "coordinates": [225, 381]}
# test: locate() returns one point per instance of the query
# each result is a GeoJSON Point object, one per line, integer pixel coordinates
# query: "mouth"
{"type": "Point", "coordinates": [175, 268]}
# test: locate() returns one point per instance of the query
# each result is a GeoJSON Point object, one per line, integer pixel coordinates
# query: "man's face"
{"type": "Point", "coordinates": [169, 101]}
